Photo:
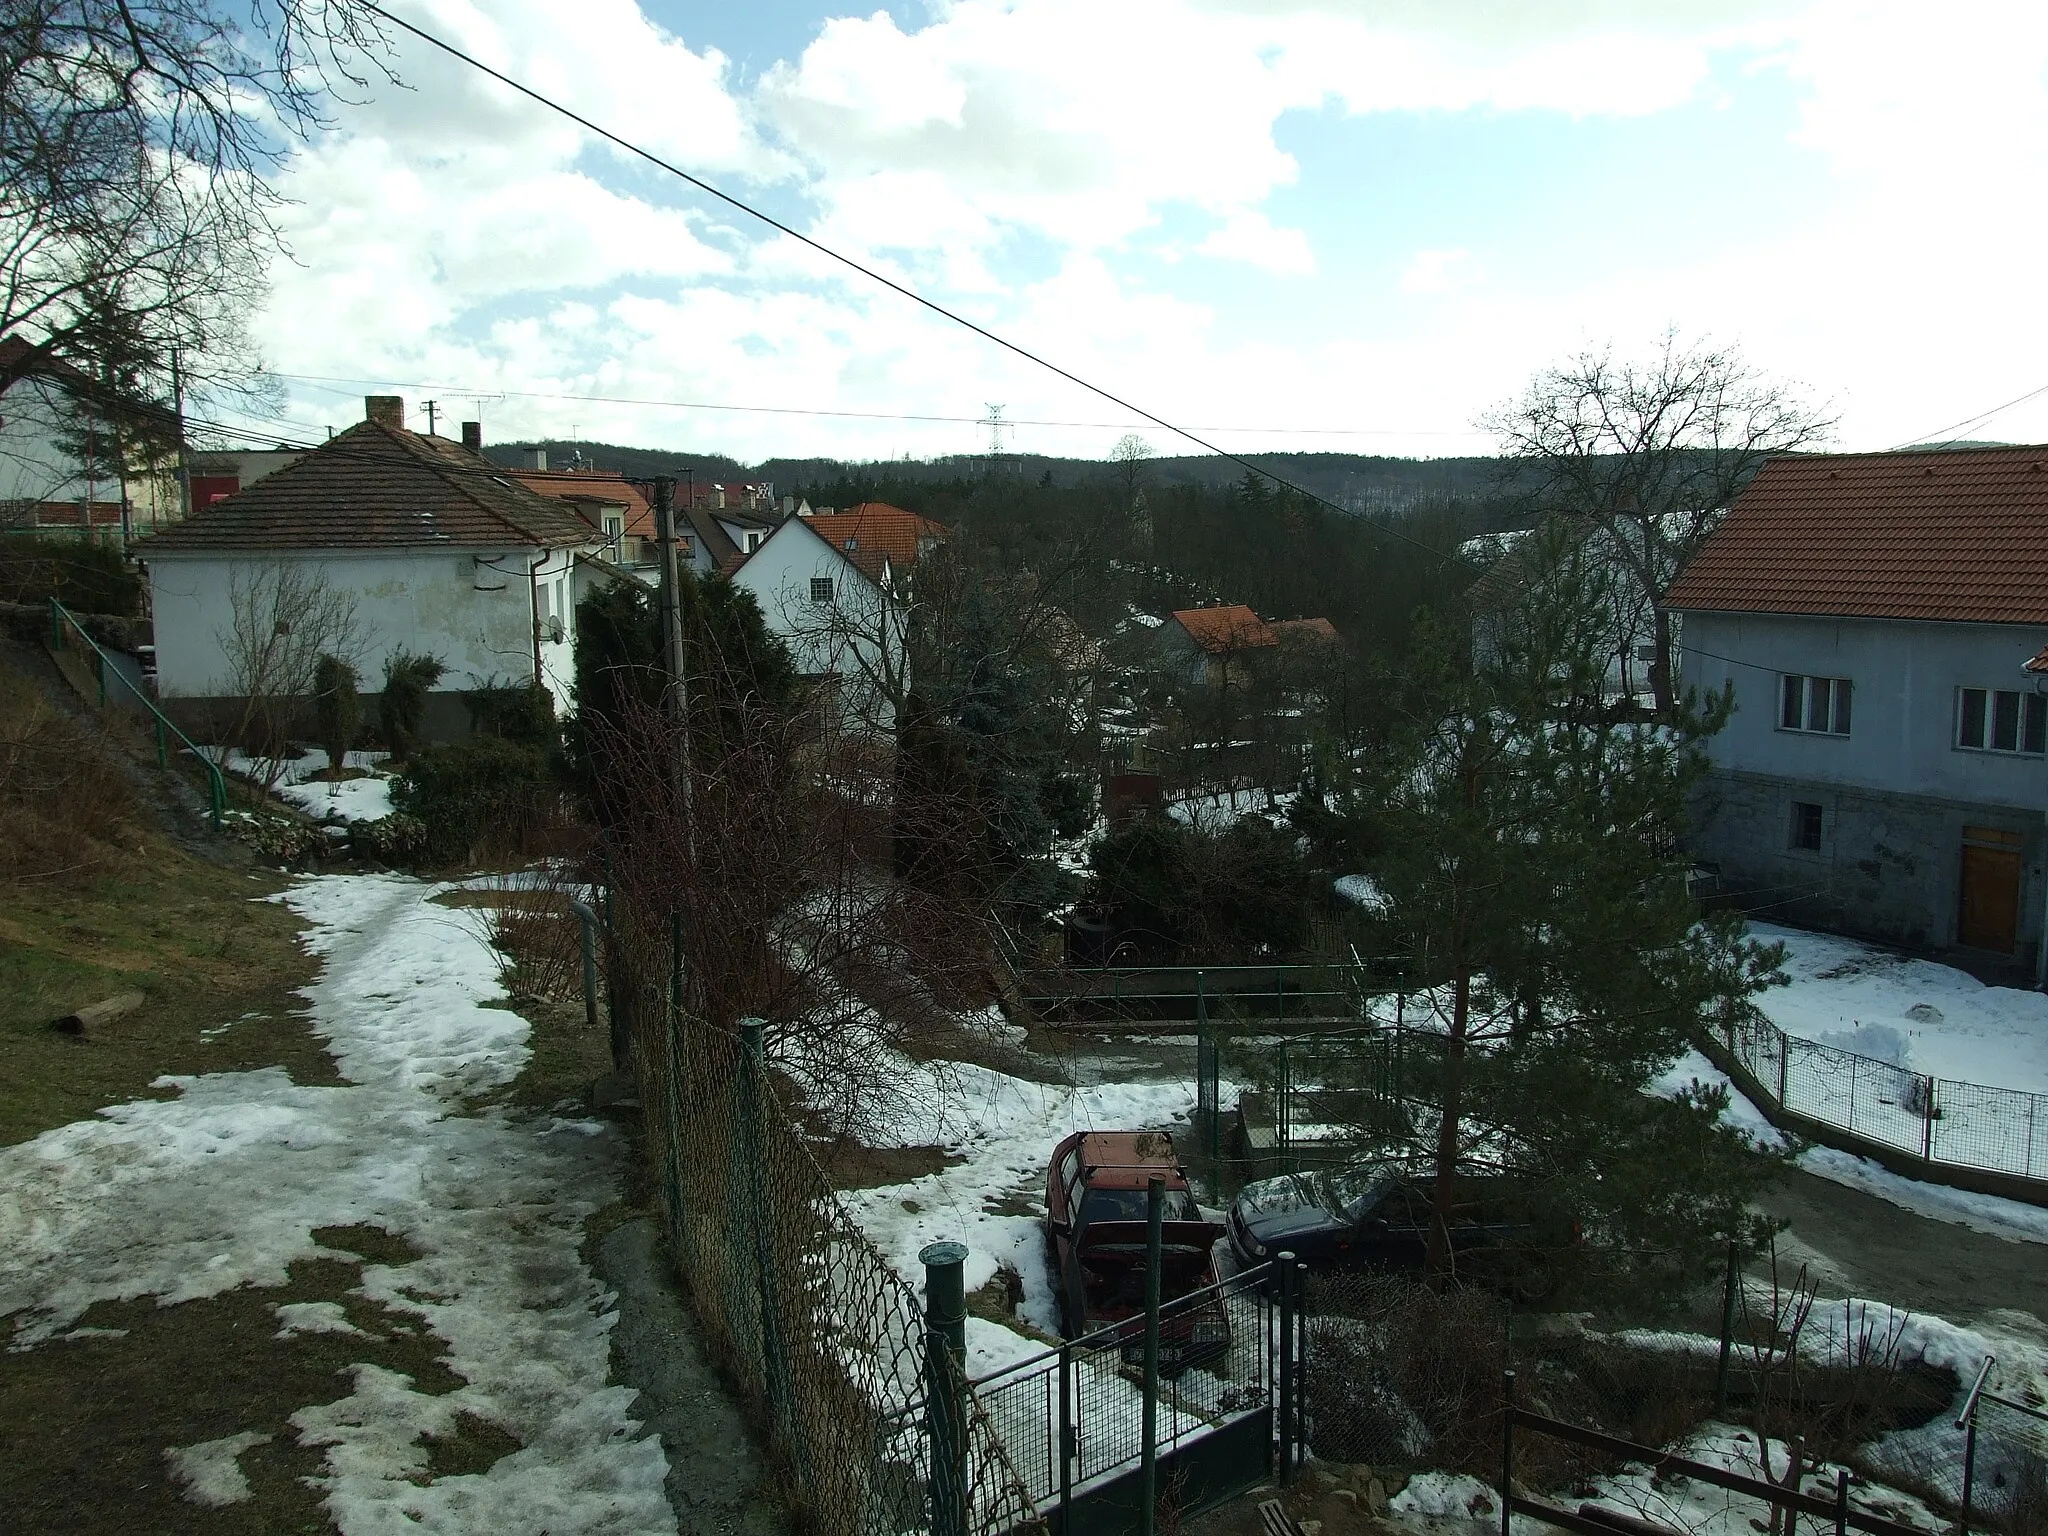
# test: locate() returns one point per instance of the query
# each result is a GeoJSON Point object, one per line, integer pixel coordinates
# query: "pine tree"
{"type": "Point", "coordinates": [1531, 833]}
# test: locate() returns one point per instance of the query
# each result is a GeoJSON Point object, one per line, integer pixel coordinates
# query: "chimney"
{"type": "Point", "coordinates": [536, 458]}
{"type": "Point", "coordinates": [473, 437]}
{"type": "Point", "coordinates": [389, 409]}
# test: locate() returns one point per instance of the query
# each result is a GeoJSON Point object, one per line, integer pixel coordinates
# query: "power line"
{"type": "Point", "coordinates": [868, 272]}
{"type": "Point", "coordinates": [317, 379]}
{"type": "Point", "coordinates": [1936, 438]}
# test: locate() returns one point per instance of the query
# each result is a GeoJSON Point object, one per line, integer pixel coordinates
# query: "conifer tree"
{"type": "Point", "coordinates": [1531, 856]}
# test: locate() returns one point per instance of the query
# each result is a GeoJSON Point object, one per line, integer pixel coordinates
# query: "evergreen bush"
{"type": "Point", "coordinates": [86, 578]}
{"type": "Point", "coordinates": [465, 790]}
{"type": "Point", "coordinates": [338, 708]}
{"type": "Point", "coordinates": [521, 713]}
{"type": "Point", "coordinates": [403, 704]}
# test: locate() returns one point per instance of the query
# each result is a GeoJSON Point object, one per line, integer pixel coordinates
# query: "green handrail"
{"type": "Point", "coordinates": [216, 783]}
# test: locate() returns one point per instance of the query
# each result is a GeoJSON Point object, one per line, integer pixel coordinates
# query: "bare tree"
{"type": "Point", "coordinates": [282, 618]}
{"type": "Point", "coordinates": [136, 138]}
{"type": "Point", "coordinates": [1648, 455]}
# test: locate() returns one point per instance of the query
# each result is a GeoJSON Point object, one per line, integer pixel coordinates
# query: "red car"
{"type": "Point", "coordinates": [1095, 1227]}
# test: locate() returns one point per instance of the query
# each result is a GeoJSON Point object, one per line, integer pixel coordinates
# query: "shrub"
{"type": "Point", "coordinates": [403, 704]}
{"type": "Point", "coordinates": [465, 790]}
{"type": "Point", "coordinates": [1243, 890]}
{"type": "Point", "coordinates": [394, 839]}
{"type": "Point", "coordinates": [87, 578]}
{"type": "Point", "coordinates": [338, 708]}
{"type": "Point", "coordinates": [521, 713]}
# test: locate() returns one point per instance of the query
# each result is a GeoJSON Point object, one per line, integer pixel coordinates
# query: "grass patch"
{"type": "Point", "coordinates": [86, 1421]}
{"type": "Point", "coordinates": [218, 966]}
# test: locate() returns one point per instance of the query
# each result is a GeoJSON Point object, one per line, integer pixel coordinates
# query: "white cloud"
{"type": "Point", "coordinates": [1249, 236]}
{"type": "Point", "coordinates": [1026, 161]}
{"type": "Point", "coordinates": [1436, 271]}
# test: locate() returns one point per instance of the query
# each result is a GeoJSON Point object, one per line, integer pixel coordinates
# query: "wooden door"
{"type": "Point", "coordinates": [1990, 915]}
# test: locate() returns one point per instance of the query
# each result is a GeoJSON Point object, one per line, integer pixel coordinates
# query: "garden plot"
{"type": "Point", "coordinates": [297, 782]}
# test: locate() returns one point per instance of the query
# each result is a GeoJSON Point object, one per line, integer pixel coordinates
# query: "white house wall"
{"type": "Point", "coordinates": [846, 638]}
{"type": "Point", "coordinates": [473, 611]}
{"type": "Point", "coordinates": [34, 414]}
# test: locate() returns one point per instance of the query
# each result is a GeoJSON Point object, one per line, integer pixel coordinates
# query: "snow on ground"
{"type": "Point", "coordinates": [222, 1186]}
{"type": "Point", "coordinates": [364, 799]}
{"type": "Point", "coordinates": [1221, 807]}
{"type": "Point", "coordinates": [1911, 1013]}
{"type": "Point", "coordinates": [211, 1471]}
{"type": "Point", "coordinates": [2013, 1219]}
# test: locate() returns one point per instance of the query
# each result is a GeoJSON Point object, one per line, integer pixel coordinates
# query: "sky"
{"type": "Point", "coordinates": [1346, 225]}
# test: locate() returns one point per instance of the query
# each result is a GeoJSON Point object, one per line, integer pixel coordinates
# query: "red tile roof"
{"type": "Point", "coordinates": [379, 486]}
{"type": "Point", "coordinates": [1232, 627]}
{"type": "Point", "coordinates": [864, 534]}
{"type": "Point", "coordinates": [606, 485]}
{"type": "Point", "coordinates": [1958, 535]}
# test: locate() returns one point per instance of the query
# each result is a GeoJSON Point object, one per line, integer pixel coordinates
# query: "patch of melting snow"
{"type": "Point", "coordinates": [297, 1317]}
{"type": "Point", "coordinates": [210, 1473]}
{"type": "Point", "coordinates": [224, 1185]}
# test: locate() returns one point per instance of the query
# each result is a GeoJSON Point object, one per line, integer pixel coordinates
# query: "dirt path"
{"type": "Point", "coordinates": [1861, 1245]}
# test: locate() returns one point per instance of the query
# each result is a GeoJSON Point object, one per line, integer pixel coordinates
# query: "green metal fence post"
{"type": "Point", "coordinates": [945, 1342]}
{"type": "Point", "coordinates": [1148, 1438]}
{"type": "Point", "coordinates": [1728, 1296]}
{"type": "Point", "coordinates": [163, 750]}
{"type": "Point", "coordinates": [753, 1093]}
{"type": "Point", "coordinates": [56, 626]}
{"type": "Point", "coordinates": [100, 675]}
{"type": "Point", "coordinates": [1283, 1295]}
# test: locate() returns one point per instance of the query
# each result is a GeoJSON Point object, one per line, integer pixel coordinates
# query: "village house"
{"type": "Point", "coordinates": [1884, 774]}
{"type": "Point", "coordinates": [63, 460]}
{"type": "Point", "coordinates": [1220, 646]}
{"type": "Point", "coordinates": [834, 587]}
{"type": "Point", "coordinates": [438, 552]}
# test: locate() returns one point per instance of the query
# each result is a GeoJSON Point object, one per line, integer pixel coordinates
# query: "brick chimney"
{"type": "Point", "coordinates": [389, 409]}
{"type": "Point", "coordinates": [473, 437]}
{"type": "Point", "coordinates": [536, 458]}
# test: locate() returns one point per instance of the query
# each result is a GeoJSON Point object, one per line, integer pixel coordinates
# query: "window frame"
{"type": "Point", "coordinates": [2029, 721]}
{"type": "Point", "coordinates": [1795, 834]}
{"type": "Point", "coordinates": [1836, 700]}
{"type": "Point", "coordinates": [823, 589]}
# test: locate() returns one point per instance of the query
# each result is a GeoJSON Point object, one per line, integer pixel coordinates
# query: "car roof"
{"type": "Point", "coordinates": [1128, 1159]}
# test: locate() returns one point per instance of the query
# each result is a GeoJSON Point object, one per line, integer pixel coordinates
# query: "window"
{"type": "Point", "coordinates": [821, 589]}
{"type": "Point", "coordinates": [1806, 825]}
{"type": "Point", "coordinates": [753, 542]}
{"type": "Point", "coordinates": [2001, 720]}
{"type": "Point", "coordinates": [1814, 704]}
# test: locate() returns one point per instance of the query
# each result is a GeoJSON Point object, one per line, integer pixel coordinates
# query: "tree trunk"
{"type": "Point", "coordinates": [1660, 666]}
{"type": "Point", "coordinates": [1437, 1258]}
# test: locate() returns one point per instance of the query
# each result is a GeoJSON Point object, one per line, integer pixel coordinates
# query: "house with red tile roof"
{"type": "Point", "coordinates": [885, 541]}
{"type": "Point", "coordinates": [1886, 769]}
{"type": "Point", "coordinates": [438, 551]}
{"type": "Point", "coordinates": [1219, 645]}
{"type": "Point", "coordinates": [837, 601]}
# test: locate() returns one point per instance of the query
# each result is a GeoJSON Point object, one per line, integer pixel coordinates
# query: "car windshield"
{"type": "Point", "coordinates": [1349, 1192]}
{"type": "Point", "coordinates": [1129, 1205]}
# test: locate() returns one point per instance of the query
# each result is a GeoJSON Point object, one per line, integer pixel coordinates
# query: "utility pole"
{"type": "Point", "coordinates": [184, 472]}
{"type": "Point", "coordinates": [431, 407]}
{"type": "Point", "coordinates": [996, 428]}
{"type": "Point", "coordinates": [670, 607]}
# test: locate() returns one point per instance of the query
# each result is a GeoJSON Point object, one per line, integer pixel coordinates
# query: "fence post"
{"type": "Point", "coordinates": [56, 626]}
{"type": "Point", "coordinates": [163, 748]}
{"type": "Point", "coordinates": [587, 921]}
{"type": "Point", "coordinates": [1969, 1472]}
{"type": "Point", "coordinates": [1507, 1445]}
{"type": "Point", "coordinates": [1727, 1329]}
{"type": "Point", "coordinates": [1927, 1123]}
{"type": "Point", "coordinates": [100, 675]}
{"type": "Point", "coordinates": [1841, 1501]}
{"type": "Point", "coordinates": [1784, 1054]}
{"type": "Point", "coordinates": [753, 1091]}
{"type": "Point", "coordinates": [1148, 1437]}
{"type": "Point", "coordinates": [1068, 1449]}
{"type": "Point", "coordinates": [945, 1344]}
{"type": "Point", "coordinates": [1283, 1290]}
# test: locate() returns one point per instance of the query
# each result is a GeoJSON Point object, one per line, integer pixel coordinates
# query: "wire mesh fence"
{"type": "Point", "coordinates": [1937, 1119]}
{"type": "Point", "coordinates": [825, 1343]}
{"type": "Point", "coordinates": [1217, 1365]}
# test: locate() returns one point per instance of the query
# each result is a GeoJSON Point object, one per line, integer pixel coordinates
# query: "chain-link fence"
{"type": "Point", "coordinates": [827, 1346]}
{"type": "Point", "coordinates": [1940, 1120]}
{"type": "Point", "coordinates": [1216, 1366]}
